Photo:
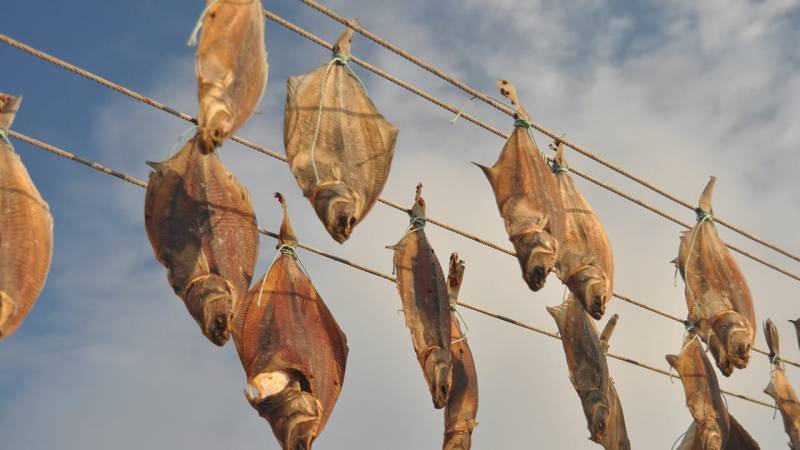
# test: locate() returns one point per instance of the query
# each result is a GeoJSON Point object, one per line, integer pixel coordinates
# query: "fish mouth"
{"type": "Point", "coordinates": [540, 261]}
{"type": "Point", "coordinates": [341, 227]}
{"type": "Point", "coordinates": [293, 413]}
{"type": "Point", "coordinates": [438, 374]}
{"type": "Point", "coordinates": [739, 353]}
{"type": "Point", "coordinates": [209, 300]}
{"type": "Point", "coordinates": [338, 206]}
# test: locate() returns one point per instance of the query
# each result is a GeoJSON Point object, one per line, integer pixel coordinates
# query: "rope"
{"type": "Point", "coordinates": [261, 149]}
{"type": "Point", "coordinates": [322, 253]}
{"type": "Point", "coordinates": [702, 217]}
{"type": "Point", "coordinates": [509, 111]}
{"type": "Point", "coordinates": [196, 30]}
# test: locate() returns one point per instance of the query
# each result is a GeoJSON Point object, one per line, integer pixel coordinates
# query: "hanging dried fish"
{"type": "Point", "coordinates": [588, 371]}
{"type": "Point", "coordinates": [291, 348]}
{"type": "Point", "coordinates": [584, 261]}
{"type": "Point", "coordinates": [717, 296]}
{"type": "Point", "coordinates": [231, 68]}
{"type": "Point", "coordinates": [426, 305]}
{"type": "Point", "coordinates": [527, 197]}
{"type": "Point", "coordinates": [781, 390]}
{"type": "Point", "coordinates": [202, 227]}
{"type": "Point", "coordinates": [703, 397]}
{"type": "Point", "coordinates": [462, 405]}
{"type": "Point", "coordinates": [26, 231]}
{"type": "Point", "coordinates": [339, 147]}
{"type": "Point", "coordinates": [738, 438]}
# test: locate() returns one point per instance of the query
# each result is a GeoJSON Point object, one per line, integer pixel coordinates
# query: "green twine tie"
{"type": "Point", "coordinates": [557, 169]}
{"type": "Point", "coordinates": [519, 122]}
{"type": "Point", "coordinates": [4, 137]}
{"type": "Point", "coordinates": [196, 30]}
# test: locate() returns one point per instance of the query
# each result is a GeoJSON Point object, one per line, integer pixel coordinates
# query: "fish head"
{"type": "Point", "coordinates": [209, 300]}
{"type": "Point", "coordinates": [710, 435]}
{"type": "Point", "coordinates": [599, 421]}
{"type": "Point", "coordinates": [459, 440]}
{"type": "Point", "coordinates": [720, 355]}
{"type": "Point", "coordinates": [736, 336]}
{"type": "Point", "coordinates": [591, 287]}
{"type": "Point", "coordinates": [293, 413]}
{"type": "Point", "coordinates": [339, 208]}
{"type": "Point", "coordinates": [439, 374]}
{"type": "Point", "coordinates": [541, 259]}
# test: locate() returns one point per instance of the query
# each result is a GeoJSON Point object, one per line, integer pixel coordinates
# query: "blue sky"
{"type": "Point", "coordinates": [674, 91]}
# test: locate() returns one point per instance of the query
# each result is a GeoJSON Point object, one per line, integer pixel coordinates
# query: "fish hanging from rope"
{"type": "Point", "coordinates": [738, 438]}
{"type": "Point", "coordinates": [462, 405]}
{"type": "Point", "coordinates": [291, 348]}
{"type": "Point", "coordinates": [717, 296]}
{"type": "Point", "coordinates": [588, 372]}
{"type": "Point", "coordinates": [426, 303]}
{"type": "Point", "coordinates": [26, 230]}
{"type": "Point", "coordinates": [201, 224]}
{"type": "Point", "coordinates": [584, 263]}
{"type": "Point", "coordinates": [339, 147]}
{"type": "Point", "coordinates": [528, 198]}
{"type": "Point", "coordinates": [781, 390]}
{"type": "Point", "coordinates": [231, 68]}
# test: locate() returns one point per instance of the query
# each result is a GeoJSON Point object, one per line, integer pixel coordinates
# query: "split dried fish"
{"type": "Point", "coordinates": [339, 147]}
{"type": "Point", "coordinates": [588, 372]}
{"type": "Point", "coordinates": [426, 304]}
{"type": "Point", "coordinates": [584, 263]}
{"type": "Point", "coordinates": [717, 296]}
{"type": "Point", "coordinates": [201, 224]}
{"type": "Point", "coordinates": [231, 68]}
{"type": "Point", "coordinates": [527, 197]}
{"type": "Point", "coordinates": [738, 438]}
{"type": "Point", "coordinates": [26, 231]}
{"type": "Point", "coordinates": [291, 348]}
{"type": "Point", "coordinates": [781, 390]}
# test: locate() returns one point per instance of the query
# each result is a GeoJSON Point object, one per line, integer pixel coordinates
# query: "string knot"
{"type": "Point", "coordinates": [4, 136]}
{"type": "Point", "coordinates": [340, 59]}
{"type": "Point", "coordinates": [522, 123]}
{"type": "Point", "coordinates": [703, 216]}
{"type": "Point", "coordinates": [690, 326]}
{"type": "Point", "coordinates": [556, 168]}
{"type": "Point", "coordinates": [288, 250]}
{"type": "Point", "coordinates": [418, 221]}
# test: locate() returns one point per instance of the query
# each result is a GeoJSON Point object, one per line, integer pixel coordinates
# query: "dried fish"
{"type": "Point", "coordinates": [462, 405]}
{"type": "Point", "coordinates": [291, 348]}
{"type": "Point", "coordinates": [588, 372]}
{"type": "Point", "coordinates": [584, 261]}
{"type": "Point", "coordinates": [703, 397]}
{"type": "Point", "coordinates": [202, 227]}
{"type": "Point", "coordinates": [339, 147]}
{"type": "Point", "coordinates": [26, 228]}
{"type": "Point", "coordinates": [231, 68]}
{"type": "Point", "coordinates": [527, 197]}
{"type": "Point", "coordinates": [738, 438]}
{"type": "Point", "coordinates": [717, 296]}
{"type": "Point", "coordinates": [781, 390]}
{"type": "Point", "coordinates": [426, 305]}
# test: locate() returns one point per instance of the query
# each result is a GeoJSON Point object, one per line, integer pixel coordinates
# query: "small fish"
{"type": "Point", "coordinates": [26, 228]}
{"type": "Point", "coordinates": [780, 389]}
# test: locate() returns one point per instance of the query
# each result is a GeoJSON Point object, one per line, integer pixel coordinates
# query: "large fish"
{"type": "Point", "coordinates": [588, 372]}
{"type": "Point", "coordinates": [26, 231]}
{"type": "Point", "coordinates": [527, 197]}
{"type": "Point", "coordinates": [202, 227]}
{"type": "Point", "coordinates": [738, 438]}
{"type": "Point", "coordinates": [781, 390]}
{"type": "Point", "coordinates": [584, 261]}
{"type": "Point", "coordinates": [462, 405]}
{"type": "Point", "coordinates": [703, 397]}
{"type": "Point", "coordinates": [426, 304]}
{"type": "Point", "coordinates": [231, 68]}
{"type": "Point", "coordinates": [717, 295]}
{"type": "Point", "coordinates": [291, 348]}
{"type": "Point", "coordinates": [339, 147]}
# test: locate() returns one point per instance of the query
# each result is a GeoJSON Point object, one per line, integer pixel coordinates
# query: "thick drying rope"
{"type": "Point", "coordinates": [196, 30]}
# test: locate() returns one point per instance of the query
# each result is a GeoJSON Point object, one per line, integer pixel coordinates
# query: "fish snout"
{"type": "Point", "coordinates": [438, 374]}
{"type": "Point", "coordinates": [209, 300]}
{"type": "Point", "coordinates": [599, 422]}
{"type": "Point", "coordinates": [343, 226]}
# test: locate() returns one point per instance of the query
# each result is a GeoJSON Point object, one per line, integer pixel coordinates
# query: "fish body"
{"type": "Point", "coordinates": [738, 438]}
{"type": "Point", "coordinates": [201, 224]}
{"type": "Point", "coordinates": [780, 389]}
{"type": "Point", "coordinates": [26, 232]}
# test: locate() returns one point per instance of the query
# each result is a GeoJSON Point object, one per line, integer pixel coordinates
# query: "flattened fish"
{"type": "Point", "coordinates": [584, 261]}
{"type": "Point", "coordinates": [202, 227]}
{"type": "Point", "coordinates": [426, 304]}
{"type": "Point", "coordinates": [781, 390]}
{"type": "Point", "coordinates": [339, 147]}
{"type": "Point", "coordinates": [231, 68]}
{"type": "Point", "coordinates": [26, 231]}
{"type": "Point", "coordinates": [291, 348]}
{"type": "Point", "coordinates": [462, 406]}
{"type": "Point", "coordinates": [738, 438]}
{"type": "Point", "coordinates": [527, 197]}
{"type": "Point", "coordinates": [588, 372]}
{"type": "Point", "coordinates": [703, 397]}
{"type": "Point", "coordinates": [717, 295]}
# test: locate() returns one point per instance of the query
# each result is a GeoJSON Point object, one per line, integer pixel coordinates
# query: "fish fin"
{"type": "Point", "coordinates": [704, 204]}
{"type": "Point", "coordinates": [157, 166]}
{"type": "Point", "coordinates": [343, 44]}
{"type": "Point", "coordinates": [455, 276]}
{"type": "Point", "coordinates": [490, 172]}
{"type": "Point", "coordinates": [508, 91]}
{"type": "Point", "coordinates": [286, 235]}
{"type": "Point", "coordinates": [605, 336]}
{"type": "Point", "coordinates": [773, 341]}
{"type": "Point", "coordinates": [559, 313]}
{"type": "Point", "coordinates": [559, 159]}
{"type": "Point", "coordinates": [9, 105]}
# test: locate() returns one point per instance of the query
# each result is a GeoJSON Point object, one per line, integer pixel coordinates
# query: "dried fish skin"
{"type": "Point", "coordinates": [231, 68]}
{"type": "Point", "coordinates": [780, 389]}
{"type": "Point", "coordinates": [585, 263]}
{"type": "Point", "coordinates": [291, 348]}
{"type": "Point", "coordinates": [201, 225]}
{"type": "Point", "coordinates": [339, 147]}
{"type": "Point", "coordinates": [703, 396]}
{"type": "Point", "coordinates": [738, 438]}
{"type": "Point", "coordinates": [26, 228]}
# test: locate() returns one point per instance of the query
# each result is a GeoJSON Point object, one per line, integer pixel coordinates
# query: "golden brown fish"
{"type": "Point", "coordinates": [584, 261]}
{"type": "Point", "coordinates": [339, 147]}
{"type": "Point", "coordinates": [738, 438]}
{"type": "Point", "coordinates": [202, 227]}
{"type": "Point", "coordinates": [527, 197]}
{"type": "Point", "coordinates": [588, 371]}
{"type": "Point", "coordinates": [291, 348]}
{"type": "Point", "coordinates": [781, 390]}
{"type": "Point", "coordinates": [231, 68]}
{"type": "Point", "coordinates": [717, 295]}
{"type": "Point", "coordinates": [703, 397]}
{"type": "Point", "coordinates": [26, 231]}
{"type": "Point", "coordinates": [426, 304]}
{"type": "Point", "coordinates": [462, 406]}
